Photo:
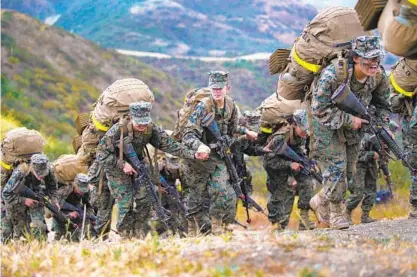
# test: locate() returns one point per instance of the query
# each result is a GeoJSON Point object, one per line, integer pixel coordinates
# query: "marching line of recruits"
{"type": "Point", "coordinates": [206, 192]}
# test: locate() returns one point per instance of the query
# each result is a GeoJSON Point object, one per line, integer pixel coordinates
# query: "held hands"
{"type": "Point", "coordinates": [376, 156]}
{"type": "Point", "coordinates": [296, 166]}
{"type": "Point", "coordinates": [128, 169]}
{"type": "Point", "coordinates": [357, 122]}
{"type": "Point", "coordinates": [31, 203]}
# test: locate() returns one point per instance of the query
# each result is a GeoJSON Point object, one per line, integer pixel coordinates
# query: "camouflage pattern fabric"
{"type": "Point", "coordinates": [210, 176]}
{"type": "Point", "coordinates": [338, 157]}
{"type": "Point", "coordinates": [24, 219]}
{"type": "Point", "coordinates": [278, 170]}
{"type": "Point", "coordinates": [218, 79]}
{"type": "Point", "coordinates": [119, 183]}
{"type": "Point", "coordinates": [141, 112]}
{"type": "Point", "coordinates": [367, 47]}
{"type": "Point", "coordinates": [363, 184]}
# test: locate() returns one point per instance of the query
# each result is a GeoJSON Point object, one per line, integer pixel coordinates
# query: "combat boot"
{"type": "Point", "coordinates": [305, 222]}
{"type": "Point", "coordinates": [337, 218]}
{"type": "Point", "coordinates": [348, 215]}
{"type": "Point", "coordinates": [192, 228]}
{"type": "Point", "coordinates": [413, 212]}
{"type": "Point", "coordinates": [365, 218]}
{"type": "Point", "coordinates": [217, 226]}
{"type": "Point", "coordinates": [276, 227]}
{"type": "Point", "coordinates": [320, 205]}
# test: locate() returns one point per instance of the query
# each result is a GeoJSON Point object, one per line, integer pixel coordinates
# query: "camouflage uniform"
{"type": "Point", "coordinates": [72, 201]}
{"type": "Point", "coordinates": [213, 173]}
{"type": "Point", "coordinates": [332, 126]}
{"type": "Point", "coordinates": [21, 216]}
{"type": "Point", "coordinates": [278, 168]}
{"type": "Point", "coordinates": [6, 223]}
{"type": "Point", "coordinates": [120, 184]}
{"type": "Point", "coordinates": [363, 184]}
{"type": "Point", "coordinates": [409, 134]}
{"type": "Point", "coordinates": [101, 199]}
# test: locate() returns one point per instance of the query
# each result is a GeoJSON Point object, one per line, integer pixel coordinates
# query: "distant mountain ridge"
{"type": "Point", "coordinates": [181, 27]}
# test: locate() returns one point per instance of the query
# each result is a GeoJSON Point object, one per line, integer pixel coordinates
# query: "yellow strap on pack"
{"type": "Point", "coordinates": [413, 2]}
{"type": "Point", "coordinates": [400, 89]}
{"type": "Point", "coordinates": [309, 66]}
{"type": "Point", "coordinates": [266, 130]}
{"type": "Point", "coordinates": [98, 125]}
{"type": "Point", "coordinates": [5, 165]}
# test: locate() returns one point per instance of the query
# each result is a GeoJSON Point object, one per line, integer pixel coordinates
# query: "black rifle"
{"type": "Point", "coordinates": [347, 101]}
{"type": "Point", "coordinates": [44, 201]}
{"type": "Point", "coordinates": [309, 166]}
{"type": "Point", "coordinates": [222, 148]}
{"type": "Point", "coordinates": [383, 161]}
{"type": "Point", "coordinates": [80, 211]}
{"type": "Point", "coordinates": [173, 194]}
{"type": "Point", "coordinates": [143, 179]}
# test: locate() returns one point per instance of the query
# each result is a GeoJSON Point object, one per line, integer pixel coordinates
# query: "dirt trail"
{"type": "Point", "coordinates": [383, 248]}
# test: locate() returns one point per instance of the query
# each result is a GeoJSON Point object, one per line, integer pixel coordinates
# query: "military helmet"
{"type": "Point", "coordinates": [40, 164]}
{"type": "Point", "coordinates": [367, 47]}
{"type": "Point", "coordinates": [82, 180]}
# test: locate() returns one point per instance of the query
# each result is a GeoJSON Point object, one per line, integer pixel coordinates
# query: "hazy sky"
{"type": "Point", "coordinates": [325, 3]}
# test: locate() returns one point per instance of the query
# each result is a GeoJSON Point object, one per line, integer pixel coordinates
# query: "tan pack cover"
{"type": "Point", "coordinates": [81, 122]}
{"type": "Point", "coordinates": [76, 143]}
{"type": "Point", "coordinates": [275, 109]}
{"type": "Point", "coordinates": [328, 33]}
{"type": "Point", "coordinates": [66, 167]}
{"type": "Point", "coordinates": [20, 144]}
{"type": "Point", "coordinates": [405, 74]}
{"type": "Point", "coordinates": [114, 101]}
{"type": "Point", "coordinates": [192, 98]}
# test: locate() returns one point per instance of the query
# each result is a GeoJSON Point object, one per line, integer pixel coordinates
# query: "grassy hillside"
{"type": "Point", "coordinates": [50, 75]}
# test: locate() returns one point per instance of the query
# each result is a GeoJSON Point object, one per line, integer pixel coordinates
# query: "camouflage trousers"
{"type": "Point", "coordinates": [27, 221]}
{"type": "Point", "coordinates": [281, 200]}
{"type": "Point", "coordinates": [339, 161]}
{"type": "Point", "coordinates": [6, 225]}
{"type": "Point", "coordinates": [412, 159]}
{"type": "Point", "coordinates": [121, 189]}
{"type": "Point", "coordinates": [209, 178]}
{"type": "Point", "coordinates": [362, 188]}
{"type": "Point", "coordinates": [104, 203]}
{"type": "Point", "coordinates": [64, 230]}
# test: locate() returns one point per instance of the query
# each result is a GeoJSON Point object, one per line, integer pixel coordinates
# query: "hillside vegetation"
{"type": "Point", "coordinates": [50, 75]}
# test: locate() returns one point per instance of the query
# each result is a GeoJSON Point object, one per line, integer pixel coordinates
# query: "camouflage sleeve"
{"type": "Point", "coordinates": [193, 131]}
{"type": "Point", "coordinates": [162, 141]}
{"type": "Point", "coordinates": [52, 186]}
{"type": "Point", "coordinates": [397, 102]}
{"type": "Point", "coordinates": [274, 160]}
{"type": "Point", "coordinates": [94, 173]}
{"type": "Point", "coordinates": [106, 150]}
{"type": "Point", "coordinates": [413, 127]}
{"type": "Point", "coordinates": [10, 192]}
{"type": "Point", "coordinates": [365, 154]}
{"type": "Point", "coordinates": [323, 110]}
{"type": "Point", "coordinates": [381, 98]}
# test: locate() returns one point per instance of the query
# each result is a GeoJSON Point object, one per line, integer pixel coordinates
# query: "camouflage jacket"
{"type": "Point", "coordinates": [409, 123]}
{"type": "Point", "coordinates": [20, 175]}
{"type": "Point", "coordinates": [107, 150]}
{"type": "Point", "coordinates": [278, 162]}
{"type": "Point", "coordinates": [195, 133]}
{"type": "Point", "coordinates": [371, 92]}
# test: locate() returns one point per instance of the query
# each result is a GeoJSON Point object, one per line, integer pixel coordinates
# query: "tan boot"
{"type": "Point", "coordinates": [337, 218]}
{"type": "Point", "coordinates": [217, 226]}
{"type": "Point", "coordinates": [413, 212]}
{"type": "Point", "coordinates": [348, 215]}
{"type": "Point", "coordinates": [320, 205]}
{"type": "Point", "coordinates": [192, 228]}
{"type": "Point", "coordinates": [305, 222]}
{"type": "Point", "coordinates": [365, 218]}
